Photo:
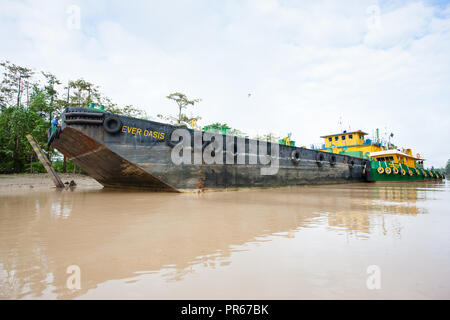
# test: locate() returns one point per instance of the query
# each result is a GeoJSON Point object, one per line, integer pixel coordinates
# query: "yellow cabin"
{"type": "Point", "coordinates": [351, 143]}
{"type": "Point", "coordinates": [396, 156]}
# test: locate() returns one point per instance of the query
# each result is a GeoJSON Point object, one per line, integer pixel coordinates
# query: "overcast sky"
{"type": "Point", "coordinates": [306, 64]}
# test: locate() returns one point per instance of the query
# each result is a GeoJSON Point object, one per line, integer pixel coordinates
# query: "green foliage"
{"type": "Point", "coordinates": [15, 123]}
{"type": "Point", "coordinates": [184, 121]}
{"type": "Point", "coordinates": [223, 128]}
{"type": "Point", "coordinates": [183, 102]}
{"type": "Point", "coordinates": [447, 168]}
{"type": "Point", "coordinates": [16, 81]}
{"type": "Point", "coordinates": [218, 126]}
{"type": "Point", "coordinates": [35, 167]}
{"type": "Point", "coordinates": [19, 116]}
{"type": "Point", "coordinates": [59, 166]}
{"type": "Point", "coordinates": [131, 111]}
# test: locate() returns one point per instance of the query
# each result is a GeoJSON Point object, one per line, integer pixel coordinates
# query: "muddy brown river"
{"type": "Point", "coordinates": [354, 241]}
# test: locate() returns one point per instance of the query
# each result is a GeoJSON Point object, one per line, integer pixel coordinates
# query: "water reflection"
{"type": "Point", "coordinates": [119, 235]}
{"type": "Point", "coordinates": [367, 207]}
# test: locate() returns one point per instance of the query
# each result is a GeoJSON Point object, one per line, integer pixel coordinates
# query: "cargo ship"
{"type": "Point", "coordinates": [125, 152]}
{"type": "Point", "coordinates": [386, 163]}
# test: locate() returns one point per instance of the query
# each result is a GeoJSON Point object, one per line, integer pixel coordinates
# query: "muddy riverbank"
{"type": "Point", "coordinates": [42, 181]}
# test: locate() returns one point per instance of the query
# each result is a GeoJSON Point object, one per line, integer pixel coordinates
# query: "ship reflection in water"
{"type": "Point", "coordinates": [290, 243]}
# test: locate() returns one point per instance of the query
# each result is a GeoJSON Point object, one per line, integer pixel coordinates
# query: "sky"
{"type": "Point", "coordinates": [306, 67]}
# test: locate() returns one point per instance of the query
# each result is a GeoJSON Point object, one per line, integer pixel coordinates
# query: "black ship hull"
{"type": "Point", "coordinates": [126, 152]}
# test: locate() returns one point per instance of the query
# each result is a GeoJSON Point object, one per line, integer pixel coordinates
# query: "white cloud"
{"type": "Point", "coordinates": [305, 63]}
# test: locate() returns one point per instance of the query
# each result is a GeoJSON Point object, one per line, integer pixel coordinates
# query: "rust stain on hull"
{"type": "Point", "coordinates": [104, 165]}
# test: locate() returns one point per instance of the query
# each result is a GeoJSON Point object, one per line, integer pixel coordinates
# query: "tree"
{"type": "Point", "coordinates": [183, 102]}
{"type": "Point", "coordinates": [447, 168]}
{"type": "Point", "coordinates": [82, 95]}
{"type": "Point", "coordinates": [15, 78]}
{"type": "Point", "coordinates": [18, 119]}
{"type": "Point", "coordinates": [270, 137]}
{"type": "Point", "coordinates": [15, 123]}
{"type": "Point", "coordinates": [51, 92]}
{"type": "Point", "coordinates": [131, 111]}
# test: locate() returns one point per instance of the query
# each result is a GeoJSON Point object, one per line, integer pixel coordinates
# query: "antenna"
{"type": "Point", "coordinates": [340, 124]}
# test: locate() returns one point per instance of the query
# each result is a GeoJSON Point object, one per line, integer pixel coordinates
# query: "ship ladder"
{"type": "Point", "coordinates": [44, 160]}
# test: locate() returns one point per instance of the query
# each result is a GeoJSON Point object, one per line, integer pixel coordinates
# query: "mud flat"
{"type": "Point", "coordinates": [42, 181]}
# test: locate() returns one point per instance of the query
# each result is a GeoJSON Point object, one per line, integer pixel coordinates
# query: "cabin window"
{"type": "Point", "coordinates": [336, 138]}
{"type": "Point", "coordinates": [330, 139]}
{"type": "Point", "coordinates": [343, 137]}
{"type": "Point", "coordinates": [350, 136]}
{"type": "Point", "coordinates": [385, 159]}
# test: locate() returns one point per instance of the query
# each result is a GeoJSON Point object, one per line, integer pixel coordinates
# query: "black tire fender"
{"type": "Point", "coordinates": [367, 173]}
{"type": "Point", "coordinates": [295, 156]}
{"type": "Point", "coordinates": [351, 164]}
{"type": "Point", "coordinates": [319, 158]}
{"type": "Point", "coordinates": [112, 124]}
{"type": "Point", "coordinates": [332, 160]}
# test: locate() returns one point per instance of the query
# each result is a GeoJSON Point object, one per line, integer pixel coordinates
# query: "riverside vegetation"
{"type": "Point", "coordinates": [29, 100]}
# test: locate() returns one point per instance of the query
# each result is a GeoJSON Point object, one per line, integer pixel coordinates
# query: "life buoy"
{"type": "Point", "coordinates": [425, 173]}
{"type": "Point", "coordinates": [403, 172]}
{"type": "Point", "coordinates": [410, 173]}
{"type": "Point", "coordinates": [295, 156]}
{"type": "Point", "coordinates": [418, 172]}
{"type": "Point", "coordinates": [395, 170]}
{"type": "Point", "coordinates": [388, 170]}
{"type": "Point", "coordinates": [380, 170]}
{"type": "Point", "coordinates": [112, 124]}
{"type": "Point", "coordinates": [431, 174]}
